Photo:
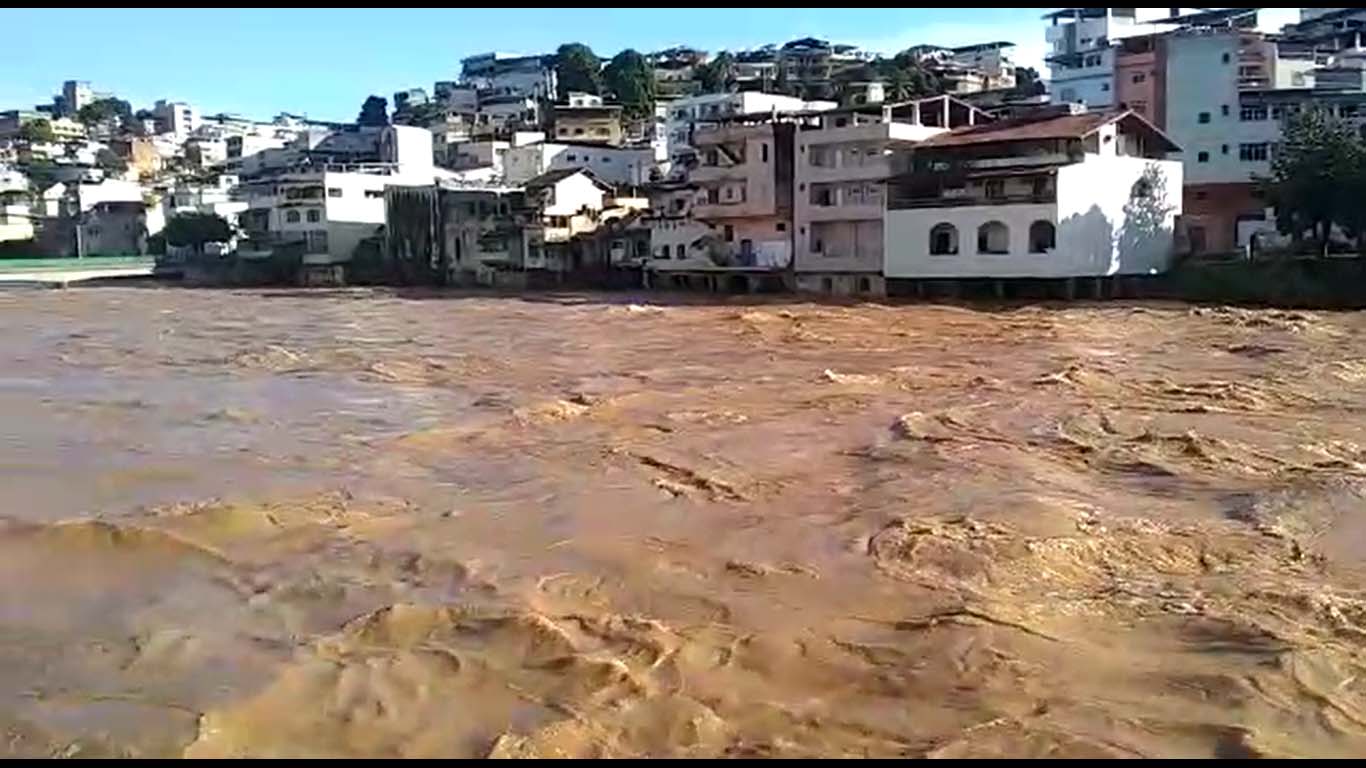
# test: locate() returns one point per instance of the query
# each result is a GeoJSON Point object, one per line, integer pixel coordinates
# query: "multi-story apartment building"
{"type": "Point", "coordinates": [175, 117]}
{"type": "Point", "coordinates": [504, 235]}
{"type": "Point", "coordinates": [1061, 195]}
{"type": "Point", "coordinates": [618, 166]}
{"type": "Point", "coordinates": [682, 113]}
{"type": "Point", "coordinates": [502, 74]}
{"type": "Point", "coordinates": [843, 161]}
{"type": "Point", "coordinates": [745, 183]}
{"type": "Point", "coordinates": [327, 195]}
{"type": "Point", "coordinates": [1082, 58]}
{"type": "Point", "coordinates": [585, 118]}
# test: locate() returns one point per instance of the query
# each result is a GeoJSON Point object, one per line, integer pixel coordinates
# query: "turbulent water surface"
{"type": "Point", "coordinates": [358, 523]}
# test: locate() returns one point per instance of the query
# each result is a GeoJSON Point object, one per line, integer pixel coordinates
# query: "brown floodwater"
{"type": "Point", "coordinates": [362, 523]}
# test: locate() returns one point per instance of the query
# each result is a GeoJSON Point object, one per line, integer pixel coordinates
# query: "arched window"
{"type": "Point", "coordinates": [292, 217]}
{"type": "Point", "coordinates": [1042, 237]}
{"type": "Point", "coordinates": [993, 237]}
{"type": "Point", "coordinates": [678, 251]}
{"type": "Point", "coordinates": [943, 240]}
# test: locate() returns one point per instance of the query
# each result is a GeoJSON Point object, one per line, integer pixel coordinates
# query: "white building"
{"type": "Point", "coordinates": [175, 117]}
{"type": "Point", "coordinates": [330, 197]}
{"type": "Point", "coordinates": [1081, 61]}
{"type": "Point", "coordinates": [843, 161]}
{"type": "Point", "coordinates": [16, 221]}
{"type": "Point", "coordinates": [682, 113]}
{"type": "Point", "coordinates": [618, 166]}
{"type": "Point", "coordinates": [1072, 195]}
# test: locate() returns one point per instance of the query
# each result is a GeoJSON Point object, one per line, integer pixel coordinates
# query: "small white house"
{"type": "Point", "coordinates": [1057, 195]}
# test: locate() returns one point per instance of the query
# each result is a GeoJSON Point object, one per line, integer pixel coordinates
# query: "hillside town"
{"type": "Point", "coordinates": [994, 400]}
{"type": "Point", "coordinates": [808, 165]}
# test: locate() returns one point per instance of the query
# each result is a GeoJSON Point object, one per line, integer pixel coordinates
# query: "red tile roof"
{"type": "Point", "coordinates": [1043, 129]}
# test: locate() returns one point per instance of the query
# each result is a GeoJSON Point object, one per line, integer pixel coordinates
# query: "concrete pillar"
{"type": "Point", "coordinates": [945, 100]}
{"type": "Point", "coordinates": [1098, 288]}
{"type": "Point", "coordinates": [915, 113]}
{"type": "Point", "coordinates": [1069, 287]}
{"type": "Point", "coordinates": [999, 287]}
{"type": "Point", "coordinates": [920, 289]}
{"type": "Point", "coordinates": [752, 284]}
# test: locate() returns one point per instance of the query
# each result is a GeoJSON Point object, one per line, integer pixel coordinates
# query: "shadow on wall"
{"type": "Point", "coordinates": [1142, 242]}
{"type": "Point", "coordinates": [1087, 240]}
{"type": "Point", "coordinates": [1145, 240]}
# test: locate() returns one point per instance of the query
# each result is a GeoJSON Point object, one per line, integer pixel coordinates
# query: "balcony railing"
{"type": "Point", "coordinates": [963, 201]}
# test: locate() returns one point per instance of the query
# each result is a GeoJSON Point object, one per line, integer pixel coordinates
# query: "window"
{"type": "Point", "coordinates": [840, 122]}
{"type": "Point", "coordinates": [1202, 118]}
{"type": "Point", "coordinates": [373, 193]}
{"type": "Point", "coordinates": [1041, 236]}
{"type": "Point", "coordinates": [578, 131]}
{"type": "Point", "coordinates": [334, 192]}
{"type": "Point", "coordinates": [993, 237]}
{"type": "Point", "coordinates": [1223, 149]}
{"type": "Point", "coordinates": [604, 159]}
{"type": "Point", "coordinates": [1252, 153]}
{"type": "Point", "coordinates": [1223, 110]}
{"type": "Point", "coordinates": [563, 131]}
{"type": "Point", "coordinates": [828, 284]}
{"type": "Point", "coordinates": [1278, 113]}
{"type": "Point", "coordinates": [943, 240]}
{"type": "Point", "coordinates": [1202, 157]}
{"type": "Point", "coordinates": [1040, 187]}
{"type": "Point", "coordinates": [817, 245]}
{"type": "Point", "coordinates": [1139, 77]}
{"type": "Point", "coordinates": [865, 285]}
{"type": "Point", "coordinates": [601, 131]}
{"type": "Point", "coordinates": [1225, 58]}
{"type": "Point", "coordinates": [314, 215]}
{"type": "Point", "coordinates": [782, 226]}
{"type": "Point", "coordinates": [292, 217]}
{"type": "Point", "coordinates": [679, 251]}
{"type": "Point", "coordinates": [730, 233]}
{"type": "Point", "coordinates": [1252, 114]}
{"type": "Point", "coordinates": [571, 157]}
{"type": "Point", "coordinates": [995, 189]}
{"type": "Point", "coordinates": [763, 153]}
{"type": "Point", "coordinates": [1104, 87]}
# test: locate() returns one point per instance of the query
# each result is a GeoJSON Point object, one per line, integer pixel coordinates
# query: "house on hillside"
{"type": "Point", "coordinates": [1060, 194]}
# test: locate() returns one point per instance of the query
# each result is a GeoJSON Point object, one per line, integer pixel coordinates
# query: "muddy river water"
{"type": "Point", "coordinates": [360, 523]}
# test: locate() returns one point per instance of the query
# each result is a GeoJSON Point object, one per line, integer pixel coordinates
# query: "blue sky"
{"type": "Point", "coordinates": [262, 61]}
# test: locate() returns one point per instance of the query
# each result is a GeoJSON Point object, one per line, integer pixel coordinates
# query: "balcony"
{"type": "Point", "coordinates": [864, 211]}
{"type": "Point", "coordinates": [705, 174]}
{"type": "Point", "coordinates": [736, 210]}
{"type": "Point", "coordinates": [965, 201]}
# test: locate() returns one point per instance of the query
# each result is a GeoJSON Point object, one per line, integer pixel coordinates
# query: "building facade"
{"type": "Point", "coordinates": [1064, 196]}
{"type": "Point", "coordinates": [842, 163]}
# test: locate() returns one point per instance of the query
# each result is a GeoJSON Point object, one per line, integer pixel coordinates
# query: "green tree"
{"type": "Point", "coordinates": [196, 229]}
{"type": "Point", "coordinates": [1027, 83]}
{"type": "Point", "coordinates": [1315, 175]}
{"type": "Point", "coordinates": [577, 68]}
{"type": "Point", "coordinates": [37, 130]}
{"type": "Point", "coordinates": [105, 110]}
{"type": "Point", "coordinates": [110, 162]}
{"type": "Point", "coordinates": [631, 79]}
{"type": "Point", "coordinates": [717, 75]}
{"type": "Point", "coordinates": [374, 112]}
{"type": "Point", "coordinates": [906, 78]}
